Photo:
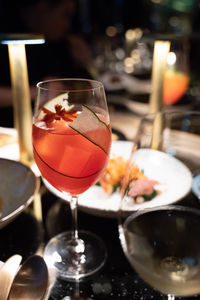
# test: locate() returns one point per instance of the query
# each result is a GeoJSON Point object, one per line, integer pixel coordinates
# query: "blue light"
{"type": "Point", "coordinates": [16, 39]}
{"type": "Point", "coordinates": [27, 42]}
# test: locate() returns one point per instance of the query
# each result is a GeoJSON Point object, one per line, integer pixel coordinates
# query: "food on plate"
{"type": "Point", "coordinates": [6, 139]}
{"type": "Point", "coordinates": [135, 184]}
{"type": "Point", "coordinates": [142, 189]}
{"type": "Point", "coordinates": [113, 174]}
{"type": "Point", "coordinates": [114, 137]}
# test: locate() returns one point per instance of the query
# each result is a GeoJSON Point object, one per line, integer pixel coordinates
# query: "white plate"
{"type": "Point", "coordinates": [174, 176]}
{"type": "Point", "coordinates": [113, 82]}
{"type": "Point", "coordinates": [10, 151]}
{"type": "Point", "coordinates": [121, 81]}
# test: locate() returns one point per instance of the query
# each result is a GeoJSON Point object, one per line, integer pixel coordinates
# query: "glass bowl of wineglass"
{"type": "Point", "coordinates": [176, 133]}
{"type": "Point", "coordinates": [71, 145]}
{"type": "Point", "coordinates": [162, 245]}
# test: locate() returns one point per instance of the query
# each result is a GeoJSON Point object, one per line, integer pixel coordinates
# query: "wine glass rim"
{"type": "Point", "coordinates": [163, 207]}
{"type": "Point", "coordinates": [96, 82]}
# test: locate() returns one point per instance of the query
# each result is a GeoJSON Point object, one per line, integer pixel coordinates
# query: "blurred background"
{"type": "Point", "coordinates": [108, 40]}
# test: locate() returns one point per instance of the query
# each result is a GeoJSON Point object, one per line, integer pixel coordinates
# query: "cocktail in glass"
{"type": "Point", "coordinates": [71, 144]}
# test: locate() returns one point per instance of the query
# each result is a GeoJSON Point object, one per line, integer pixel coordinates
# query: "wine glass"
{"type": "Point", "coordinates": [161, 244]}
{"type": "Point", "coordinates": [161, 250]}
{"type": "Point", "coordinates": [176, 77]}
{"type": "Point", "coordinates": [176, 133]}
{"type": "Point", "coordinates": [71, 145]}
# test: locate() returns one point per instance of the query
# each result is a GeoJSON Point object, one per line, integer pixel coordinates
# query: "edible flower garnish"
{"type": "Point", "coordinates": [137, 185]}
{"type": "Point", "coordinates": [60, 113]}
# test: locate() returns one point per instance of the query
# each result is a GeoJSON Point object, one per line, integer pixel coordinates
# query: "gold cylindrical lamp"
{"type": "Point", "coordinates": [21, 91]}
{"type": "Point", "coordinates": [22, 100]}
{"type": "Point", "coordinates": [161, 50]}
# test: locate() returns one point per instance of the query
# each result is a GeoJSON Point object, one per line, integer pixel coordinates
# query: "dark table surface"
{"type": "Point", "coordinates": [116, 280]}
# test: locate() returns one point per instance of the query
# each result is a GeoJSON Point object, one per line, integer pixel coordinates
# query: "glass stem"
{"type": "Point", "coordinates": [74, 211]}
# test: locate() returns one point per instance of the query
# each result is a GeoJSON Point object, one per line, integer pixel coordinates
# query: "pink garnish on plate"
{"type": "Point", "coordinates": [142, 187]}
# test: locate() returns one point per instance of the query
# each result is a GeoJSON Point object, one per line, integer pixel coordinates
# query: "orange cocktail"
{"type": "Point", "coordinates": [71, 145]}
{"type": "Point", "coordinates": [70, 160]}
{"type": "Point", "coordinates": [175, 86]}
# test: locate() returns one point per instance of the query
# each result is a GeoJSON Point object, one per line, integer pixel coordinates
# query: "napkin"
{"type": "Point", "coordinates": [1, 264]}
{"type": "Point", "coordinates": [8, 270]}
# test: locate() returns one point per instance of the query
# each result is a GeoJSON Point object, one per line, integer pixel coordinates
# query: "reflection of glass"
{"type": "Point", "coordinates": [70, 291]}
{"type": "Point", "coordinates": [71, 143]}
{"type": "Point", "coordinates": [162, 245]}
{"type": "Point", "coordinates": [176, 79]}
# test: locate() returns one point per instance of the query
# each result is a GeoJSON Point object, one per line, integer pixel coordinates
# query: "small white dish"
{"type": "Point", "coordinates": [10, 151]}
{"type": "Point", "coordinates": [174, 177]}
{"type": "Point", "coordinates": [113, 82]}
{"type": "Point", "coordinates": [122, 81]}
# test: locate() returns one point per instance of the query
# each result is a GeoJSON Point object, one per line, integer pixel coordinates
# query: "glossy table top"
{"type": "Point", "coordinates": [116, 280]}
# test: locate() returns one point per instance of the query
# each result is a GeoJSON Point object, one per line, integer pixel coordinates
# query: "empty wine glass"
{"type": "Point", "coordinates": [162, 169]}
{"type": "Point", "coordinates": [162, 245]}
{"type": "Point", "coordinates": [71, 144]}
{"type": "Point", "coordinates": [164, 165]}
{"type": "Point", "coordinates": [176, 133]}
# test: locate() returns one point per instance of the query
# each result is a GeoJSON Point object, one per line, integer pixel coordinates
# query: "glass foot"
{"type": "Point", "coordinates": [75, 258]}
